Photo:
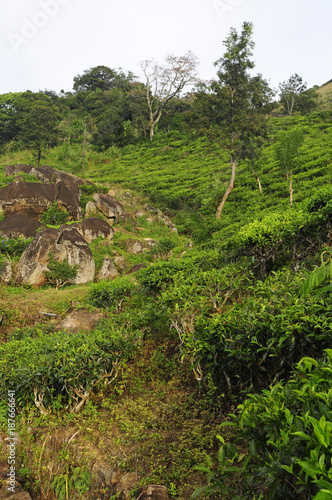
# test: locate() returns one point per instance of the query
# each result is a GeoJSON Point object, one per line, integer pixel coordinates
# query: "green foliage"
{"type": "Point", "coordinates": [256, 341]}
{"type": "Point", "coordinates": [289, 428]}
{"type": "Point", "coordinates": [111, 294]}
{"type": "Point", "coordinates": [77, 482]}
{"type": "Point", "coordinates": [14, 247]}
{"type": "Point", "coordinates": [163, 248]}
{"type": "Point", "coordinates": [42, 368]}
{"type": "Point", "coordinates": [319, 276]}
{"type": "Point", "coordinates": [287, 148]}
{"type": "Point", "coordinates": [54, 216]}
{"type": "Point", "coordinates": [229, 463]}
{"type": "Point", "coordinates": [60, 273]}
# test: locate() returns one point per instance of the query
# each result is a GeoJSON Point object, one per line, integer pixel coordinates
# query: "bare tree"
{"type": "Point", "coordinates": [163, 83]}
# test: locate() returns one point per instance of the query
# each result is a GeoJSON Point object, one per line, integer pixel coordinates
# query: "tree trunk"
{"type": "Point", "coordinates": [84, 144]}
{"type": "Point", "coordinates": [151, 131]}
{"type": "Point", "coordinates": [229, 188]}
{"type": "Point", "coordinates": [259, 183]}
{"type": "Point", "coordinates": [291, 191]}
{"type": "Point", "coordinates": [38, 157]}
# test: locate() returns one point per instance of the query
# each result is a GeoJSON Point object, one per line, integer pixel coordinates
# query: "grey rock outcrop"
{"type": "Point", "coordinates": [108, 205]}
{"type": "Point", "coordinates": [108, 269]}
{"type": "Point", "coordinates": [152, 492]}
{"type": "Point", "coordinates": [63, 243]}
{"type": "Point", "coordinates": [6, 272]}
{"type": "Point", "coordinates": [27, 198]}
{"type": "Point", "coordinates": [80, 320]}
{"type": "Point", "coordinates": [19, 225]}
{"type": "Point", "coordinates": [32, 199]}
{"type": "Point", "coordinates": [140, 246]}
{"type": "Point", "coordinates": [93, 227]}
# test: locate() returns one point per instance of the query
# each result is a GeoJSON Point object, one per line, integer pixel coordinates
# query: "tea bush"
{"type": "Point", "coordinates": [289, 428]}
{"type": "Point", "coordinates": [39, 369]}
{"type": "Point", "coordinates": [260, 338]}
{"type": "Point", "coordinates": [111, 294]}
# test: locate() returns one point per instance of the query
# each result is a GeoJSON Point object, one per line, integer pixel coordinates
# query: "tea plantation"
{"type": "Point", "coordinates": [210, 372]}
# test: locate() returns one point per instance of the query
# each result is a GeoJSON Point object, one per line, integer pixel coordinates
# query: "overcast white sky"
{"type": "Point", "coordinates": [45, 43]}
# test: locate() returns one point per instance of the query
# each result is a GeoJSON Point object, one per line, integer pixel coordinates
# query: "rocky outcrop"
{"type": "Point", "coordinates": [108, 205]}
{"type": "Point", "coordinates": [45, 174]}
{"type": "Point", "coordinates": [63, 243]}
{"type": "Point", "coordinates": [6, 272]}
{"type": "Point", "coordinates": [136, 268]}
{"type": "Point", "coordinates": [60, 186]}
{"type": "Point", "coordinates": [152, 492]}
{"type": "Point", "coordinates": [108, 269]}
{"type": "Point", "coordinates": [32, 199]}
{"type": "Point", "coordinates": [93, 227]}
{"type": "Point", "coordinates": [140, 246]}
{"type": "Point", "coordinates": [80, 320]}
{"type": "Point", "coordinates": [27, 198]}
{"type": "Point", "coordinates": [19, 225]}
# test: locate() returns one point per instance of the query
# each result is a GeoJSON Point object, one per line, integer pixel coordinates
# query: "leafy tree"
{"type": "Point", "coordinates": [39, 127]}
{"type": "Point", "coordinates": [307, 101]}
{"type": "Point", "coordinates": [239, 101]}
{"type": "Point", "coordinates": [286, 152]}
{"type": "Point", "coordinates": [101, 77]}
{"type": "Point", "coordinates": [290, 92]}
{"type": "Point", "coordinates": [164, 83]}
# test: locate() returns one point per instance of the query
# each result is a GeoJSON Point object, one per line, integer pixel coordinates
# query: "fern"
{"type": "Point", "coordinates": [318, 276]}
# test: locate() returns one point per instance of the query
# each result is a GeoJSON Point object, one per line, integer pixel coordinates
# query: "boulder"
{"type": "Point", "coordinates": [80, 320]}
{"type": "Point", "coordinates": [152, 492]}
{"type": "Point", "coordinates": [27, 198]}
{"type": "Point", "coordinates": [19, 225]}
{"type": "Point", "coordinates": [63, 243]}
{"type": "Point", "coordinates": [90, 209]}
{"type": "Point", "coordinates": [120, 262]}
{"type": "Point", "coordinates": [108, 269]}
{"type": "Point", "coordinates": [12, 170]}
{"type": "Point", "coordinates": [46, 174]}
{"type": "Point", "coordinates": [93, 227]}
{"type": "Point", "coordinates": [6, 272]}
{"type": "Point", "coordinates": [108, 205]}
{"type": "Point", "coordinates": [68, 197]}
{"type": "Point", "coordinates": [136, 268]}
{"type": "Point", "coordinates": [140, 246]}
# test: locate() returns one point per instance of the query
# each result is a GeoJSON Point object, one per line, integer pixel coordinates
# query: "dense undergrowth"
{"type": "Point", "coordinates": [214, 330]}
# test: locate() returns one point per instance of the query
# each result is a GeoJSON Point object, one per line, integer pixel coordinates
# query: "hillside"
{"type": "Point", "coordinates": [215, 325]}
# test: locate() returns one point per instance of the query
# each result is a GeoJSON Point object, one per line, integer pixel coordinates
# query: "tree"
{"type": "Point", "coordinates": [291, 91]}
{"type": "Point", "coordinates": [286, 152]}
{"type": "Point", "coordinates": [39, 127]}
{"type": "Point", "coordinates": [103, 78]}
{"type": "Point", "coordinates": [164, 83]}
{"type": "Point", "coordinates": [239, 101]}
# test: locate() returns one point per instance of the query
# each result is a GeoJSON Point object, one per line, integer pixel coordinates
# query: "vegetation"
{"type": "Point", "coordinates": [211, 370]}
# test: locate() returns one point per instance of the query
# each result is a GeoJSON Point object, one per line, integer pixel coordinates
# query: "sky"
{"type": "Point", "coordinates": [46, 43]}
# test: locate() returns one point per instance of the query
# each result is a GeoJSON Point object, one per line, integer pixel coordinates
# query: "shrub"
{"type": "Point", "coordinates": [260, 338]}
{"type": "Point", "coordinates": [111, 294]}
{"type": "Point", "coordinates": [60, 273]}
{"type": "Point", "coordinates": [63, 365]}
{"type": "Point", "coordinates": [14, 247]}
{"type": "Point", "coordinates": [289, 428]}
{"type": "Point", "coordinates": [54, 216]}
